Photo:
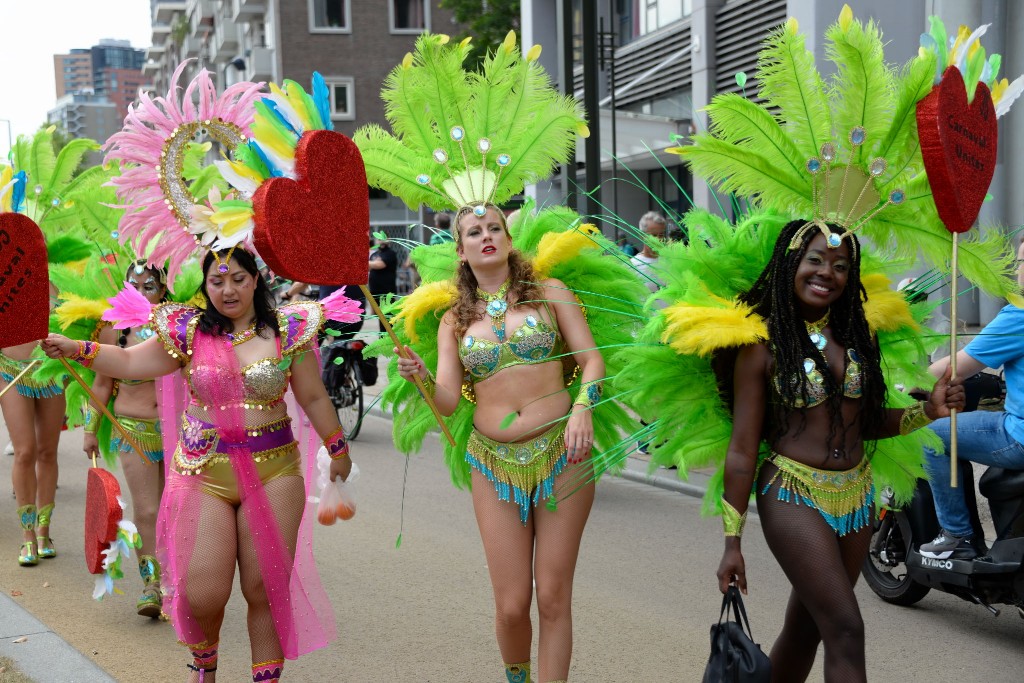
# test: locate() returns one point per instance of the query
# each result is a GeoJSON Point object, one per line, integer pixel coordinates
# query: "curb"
{"type": "Point", "coordinates": [43, 655]}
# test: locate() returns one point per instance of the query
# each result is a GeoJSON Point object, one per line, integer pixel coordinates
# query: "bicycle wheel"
{"type": "Point", "coordinates": [348, 399]}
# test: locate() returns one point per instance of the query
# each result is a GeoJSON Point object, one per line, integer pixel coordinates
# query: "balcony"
{"type": "Point", "coordinates": [164, 10]}
{"type": "Point", "coordinates": [260, 64]}
{"type": "Point", "coordinates": [191, 45]}
{"type": "Point", "coordinates": [201, 15]}
{"type": "Point", "coordinates": [225, 40]}
{"type": "Point", "coordinates": [244, 10]}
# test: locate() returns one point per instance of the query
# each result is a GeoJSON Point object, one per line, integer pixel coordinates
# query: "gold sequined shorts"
{"type": "Point", "coordinates": [219, 479]}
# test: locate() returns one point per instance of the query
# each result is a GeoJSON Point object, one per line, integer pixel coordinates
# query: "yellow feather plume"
{"type": "Point", "coordinates": [558, 247]}
{"type": "Point", "coordinates": [75, 308]}
{"type": "Point", "coordinates": [886, 310]}
{"type": "Point", "coordinates": [427, 299]}
{"type": "Point", "coordinates": [701, 330]}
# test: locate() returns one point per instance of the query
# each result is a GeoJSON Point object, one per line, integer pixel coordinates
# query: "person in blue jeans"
{"type": "Point", "coordinates": [989, 438]}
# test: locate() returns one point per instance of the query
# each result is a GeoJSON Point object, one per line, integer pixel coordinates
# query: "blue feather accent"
{"type": "Point", "coordinates": [18, 191]}
{"type": "Point", "coordinates": [322, 99]}
{"type": "Point", "coordinates": [272, 168]}
{"type": "Point", "coordinates": [272, 108]}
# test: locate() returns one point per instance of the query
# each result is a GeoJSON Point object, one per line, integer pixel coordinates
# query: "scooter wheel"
{"type": "Point", "coordinates": [889, 578]}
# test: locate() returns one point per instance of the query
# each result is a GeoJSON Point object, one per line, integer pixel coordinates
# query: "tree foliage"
{"type": "Point", "coordinates": [486, 21]}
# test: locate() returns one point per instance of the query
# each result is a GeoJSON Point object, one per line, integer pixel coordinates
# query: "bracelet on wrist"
{"type": "Point", "coordinates": [86, 353]}
{"type": "Point", "coordinates": [914, 417]}
{"type": "Point", "coordinates": [336, 444]}
{"type": "Point", "coordinates": [92, 420]}
{"type": "Point", "coordinates": [590, 394]}
{"type": "Point", "coordinates": [732, 520]}
{"type": "Point", "coordinates": [429, 384]}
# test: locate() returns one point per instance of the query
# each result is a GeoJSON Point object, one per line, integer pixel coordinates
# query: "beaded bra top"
{"type": "Point", "coordinates": [533, 342]}
{"type": "Point", "coordinates": [817, 394]}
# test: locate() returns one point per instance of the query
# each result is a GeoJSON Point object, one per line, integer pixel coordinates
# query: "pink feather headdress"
{"type": "Point", "coordinates": [149, 150]}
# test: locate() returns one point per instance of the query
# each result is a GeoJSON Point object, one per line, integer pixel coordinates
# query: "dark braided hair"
{"type": "Point", "coordinates": [773, 298]}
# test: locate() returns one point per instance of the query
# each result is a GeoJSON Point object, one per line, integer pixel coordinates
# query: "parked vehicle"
{"type": "Point", "coordinates": [899, 574]}
{"type": "Point", "coordinates": [343, 378]}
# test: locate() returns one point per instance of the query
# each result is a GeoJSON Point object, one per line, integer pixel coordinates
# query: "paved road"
{"type": "Point", "coordinates": [645, 592]}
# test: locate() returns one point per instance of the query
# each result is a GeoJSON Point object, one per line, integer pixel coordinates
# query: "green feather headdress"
{"type": "Point", "coordinates": [775, 154]}
{"type": "Point", "coordinates": [464, 138]}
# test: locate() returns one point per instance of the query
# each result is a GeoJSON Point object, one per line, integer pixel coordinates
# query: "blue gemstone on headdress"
{"type": "Point", "coordinates": [458, 133]}
{"type": "Point", "coordinates": [484, 145]}
{"type": "Point", "coordinates": [479, 210]}
{"type": "Point", "coordinates": [504, 160]}
{"type": "Point", "coordinates": [808, 365]}
{"type": "Point", "coordinates": [440, 156]}
{"type": "Point", "coordinates": [834, 240]}
{"type": "Point", "coordinates": [857, 135]}
{"type": "Point", "coordinates": [813, 165]}
{"type": "Point", "coordinates": [140, 269]}
{"type": "Point", "coordinates": [423, 179]}
{"type": "Point", "coordinates": [54, 202]}
{"type": "Point", "coordinates": [115, 234]}
{"type": "Point", "coordinates": [897, 196]}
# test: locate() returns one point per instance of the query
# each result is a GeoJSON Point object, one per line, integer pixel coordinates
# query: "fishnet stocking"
{"type": "Point", "coordinates": [287, 498]}
{"type": "Point", "coordinates": [211, 570]}
{"type": "Point", "coordinates": [822, 568]}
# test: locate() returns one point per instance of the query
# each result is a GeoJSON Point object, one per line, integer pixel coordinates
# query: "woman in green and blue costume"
{"type": "Point", "coordinates": [508, 326]}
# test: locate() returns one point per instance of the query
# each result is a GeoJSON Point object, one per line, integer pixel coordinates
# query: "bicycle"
{"type": "Point", "coordinates": [344, 381]}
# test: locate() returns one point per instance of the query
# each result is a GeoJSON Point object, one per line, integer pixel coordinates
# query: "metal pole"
{"type": "Point", "coordinates": [566, 82]}
{"type": "Point", "coordinates": [590, 103]}
{"type": "Point", "coordinates": [615, 152]}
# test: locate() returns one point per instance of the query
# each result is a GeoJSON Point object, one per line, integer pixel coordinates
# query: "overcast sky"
{"type": "Point", "coordinates": [35, 30]}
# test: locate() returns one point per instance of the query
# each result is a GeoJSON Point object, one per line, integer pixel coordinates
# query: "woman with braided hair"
{"type": "Point", "coordinates": [812, 393]}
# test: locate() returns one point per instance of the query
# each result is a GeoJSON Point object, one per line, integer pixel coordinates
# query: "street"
{"type": "Point", "coordinates": [645, 592]}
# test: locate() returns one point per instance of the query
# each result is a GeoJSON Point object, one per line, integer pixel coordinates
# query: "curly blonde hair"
{"type": "Point", "coordinates": [523, 285]}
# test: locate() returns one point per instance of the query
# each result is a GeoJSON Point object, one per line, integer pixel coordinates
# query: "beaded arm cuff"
{"type": "Point", "coordinates": [590, 394]}
{"type": "Point", "coordinates": [92, 420]}
{"type": "Point", "coordinates": [732, 520]}
{"type": "Point", "coordinates": [914, 418]}
{"type": "Point", "coordinates": [336, 445]}
{"type": "Point", "coordinates": [86, 354]}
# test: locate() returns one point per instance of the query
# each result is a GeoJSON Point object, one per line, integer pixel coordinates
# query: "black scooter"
{"type": "Point", "coordinates": [899, 574]}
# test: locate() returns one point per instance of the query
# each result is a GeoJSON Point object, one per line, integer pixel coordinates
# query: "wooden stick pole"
{"type": "Point", "coordinates": [103, 408]}
{"type": "Point", "coordinates": [402, 351]}
{"type": "Point", "coordinates": [952, 365]}
{"type": "Point", "coordinates": [21, 374]}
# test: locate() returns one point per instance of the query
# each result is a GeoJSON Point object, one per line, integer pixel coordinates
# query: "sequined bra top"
{"type": "Point", "coordinates": [816, 392]}
{"type": "Point", "coordinates": [533, 342]}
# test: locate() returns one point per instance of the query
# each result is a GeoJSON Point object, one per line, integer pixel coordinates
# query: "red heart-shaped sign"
{"type": "Point", "coordinates": [102, 515]}
{"type": "Point", "coordinates": [24, 281]}
{"type": "Point", "coordinates": [316, 229]}
{"type": "Point", "coordinates": [958, 144]}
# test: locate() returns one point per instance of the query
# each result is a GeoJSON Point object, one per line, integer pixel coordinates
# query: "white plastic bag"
{"type": "Point", "coordinates": [337, 498]}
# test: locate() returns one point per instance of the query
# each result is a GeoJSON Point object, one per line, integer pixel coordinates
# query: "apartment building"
{"type": "Point", "coordinates": [661, 61]}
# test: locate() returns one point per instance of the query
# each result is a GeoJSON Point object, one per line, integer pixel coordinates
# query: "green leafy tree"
{"type": "Point", "coordinates": [487, 22]}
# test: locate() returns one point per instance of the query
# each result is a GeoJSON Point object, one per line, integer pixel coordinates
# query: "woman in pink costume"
{"type": "Point", "coordinates": [235, 493]}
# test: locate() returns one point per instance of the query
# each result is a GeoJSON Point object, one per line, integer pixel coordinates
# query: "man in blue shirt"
{"type": "Point", "coordinates": [988, 438]}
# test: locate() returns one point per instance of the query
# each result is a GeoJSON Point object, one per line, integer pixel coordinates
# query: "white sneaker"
{"type": "Point", "coordinates": [10, 448]}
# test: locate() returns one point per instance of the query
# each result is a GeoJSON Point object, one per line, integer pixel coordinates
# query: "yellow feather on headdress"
{"type": "Point", "coordinates": [558, 247]}
{"type": "Point", "coordinates": [75, 308]}
{"type": "Point", "coordinates": [886, 310]}
{"type": "Point", "coordinates": [701, 330]}
{"type": "Point", "coordinates": [437, 296]}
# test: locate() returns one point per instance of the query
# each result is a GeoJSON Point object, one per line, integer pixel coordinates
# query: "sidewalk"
{"type": "Point", "coordinates": [42, 655]}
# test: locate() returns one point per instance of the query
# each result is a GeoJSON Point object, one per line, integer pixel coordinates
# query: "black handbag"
{"type": "Point", "coordinates": [735, 657]}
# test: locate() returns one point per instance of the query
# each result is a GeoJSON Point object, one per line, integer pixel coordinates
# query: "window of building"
{"type": "Point", "coordinates": [409, 16]}
{"type": "Point", "coordinates": [655, 14]}
{"type": "Point", "coordinates": [330, 16]}
{"type": "Point", "coordinates": [343, 97]}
